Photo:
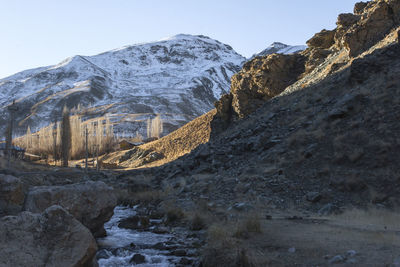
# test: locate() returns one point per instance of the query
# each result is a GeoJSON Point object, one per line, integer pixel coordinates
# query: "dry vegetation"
{"type": "Point", "coordinates": [183, 140]}
{"type": "Point", "coordinates": [47, 140]}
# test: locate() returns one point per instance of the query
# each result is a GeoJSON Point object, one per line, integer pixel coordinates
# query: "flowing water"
{"type": "Point", "coordinates": [119, 246]}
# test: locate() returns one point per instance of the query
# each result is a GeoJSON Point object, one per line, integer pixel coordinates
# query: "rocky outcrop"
{"type": "Point", "coordinates": [92, 203]}
{"type": "Point", "coordinates": [11, 195]}
{"type": "Point", "coordinates": [265, 77]}
{"type": "Point", "coordinates": [53, 238]}
{"type": "Point", "coordinates": [370, 23]}
{"type": "Point", "coordinates": [262, 79]}
{"type": "Point", "coordinates": [324, 39]}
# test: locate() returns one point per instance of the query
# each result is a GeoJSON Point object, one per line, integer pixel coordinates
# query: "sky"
{"type": "Point", "coordinates": [37, 33]}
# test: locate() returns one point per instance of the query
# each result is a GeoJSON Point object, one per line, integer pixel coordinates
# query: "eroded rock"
{"type": "Point", "coordinates": [263, 78]}
{"type": "Point", "coordinates": [11, 195]}
{"type": "Point", "coordinates": [92, 203]}
{"type": "Point", "coordinates": [53, 238]}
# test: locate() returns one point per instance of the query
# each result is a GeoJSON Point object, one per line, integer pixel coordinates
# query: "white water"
{"type": "Point", "coordinates": [116, 244]}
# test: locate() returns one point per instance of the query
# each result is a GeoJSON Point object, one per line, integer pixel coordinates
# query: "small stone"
{"type": "Point", "coordinates": [292, 250]}
{"type": "Point", "coordinates": [160, 246]}
{"type": "Point", "coordinates": [337, 259]}
{"type": "Point", "coordinates": [313, 197]}
{"type": "Point", "coordinates": [160, 230]}
{"type": "Point", "coordinates": [138, 259]}
{"type": "Point", "coordinates": [351, 253]}
{"type": "Point", "coordinates": [185, 261]}
{"type": "Point", "coordinates": [179, 253]}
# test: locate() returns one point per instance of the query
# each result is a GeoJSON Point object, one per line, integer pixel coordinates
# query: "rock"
{"type": "Point", "coordinates": [138, 259]}
{"type": "Point", "coordinates": [103, 254]}
{"type": "Point", "coordinates": [53, 238]}
{"type": "Point", "coordinates": [185, 261]}
{"type": "Point", "coordinates": [11, 195]}
{"type": "Point", "coordinates": [224, 107]}
{"type": "Point", "coordinates": [92, 203]}
{"type": "Point", "coordinates": [292, 250]}
{"type": "Point", "coordinates": [161, 230]}
{"type": "Point", "coordinates": [328, 209]}
{"type": "Point", "coordinates": [359, 7]}
{"type": "Point", "coordinates": [179, 253]}
{"type": "Point", "coordinates": [160, 246]}
{"type": "Point", "coordinates": [241, 206]}
{"type": "Point", "coordinates": [347, 20]}
{"type": "Point", "coordinates": [313, 197]}
{"type": "Point", "coordinates": [135, 222]}
{"type": "Point", "coordinates": [376, 20]}
{"type": "Point", "coordinates": [337, 259]}
{"type": "Point", "coordinates": [323, 39]}
{"type": "Point", "coordinates": [263, 78]}
{"type": "Point", "coordinates": [351, 253]}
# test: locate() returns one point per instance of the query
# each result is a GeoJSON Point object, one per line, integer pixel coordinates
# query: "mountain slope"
{"type": "Point", "coordinates": [280, 48]}
{"type": "Point", "coordinates": [329, 131]}
{"type": "Point", "coordinates": [179, 77]}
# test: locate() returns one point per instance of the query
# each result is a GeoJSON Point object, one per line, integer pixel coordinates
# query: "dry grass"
{"type": "Point", "coordinates": [175, 144]}
{"type": "Point", "coordinates": [251, 224]}
{"type": "Point", "coordinates": [42, 142]}
{"type": "Point", "coordinates": [223, 249]}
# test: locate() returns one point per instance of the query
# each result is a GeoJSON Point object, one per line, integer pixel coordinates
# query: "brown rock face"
{"type": "Point", "coordinates": [359, 7]}
{"type": "Point", "coordinates": [11, 195]}
{"type": "Point", "coordinates": [323, 39]}
{"type": "Point", "coordinates": [263, 78]}
{"type": "Point", "coordinates": [359, 32]}
{"type": "Point", "coordinates": [224, 108]}
{"type": "Point", "coordinates": [53, 238]}
{"type": "Point", "coordinates": [92, 203]}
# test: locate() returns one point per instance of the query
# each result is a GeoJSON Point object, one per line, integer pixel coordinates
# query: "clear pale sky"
{"type": "Point", "coordinates": [37, 33]}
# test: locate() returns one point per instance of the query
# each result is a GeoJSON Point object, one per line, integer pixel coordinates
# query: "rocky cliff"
{"type": "Point", "coordinates": [328, 51]}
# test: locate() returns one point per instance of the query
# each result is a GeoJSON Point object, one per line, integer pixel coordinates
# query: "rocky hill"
{"type": "Point", "coordinates": [323, 120]}
{"type": "Point", "coordinates": [179, 77]}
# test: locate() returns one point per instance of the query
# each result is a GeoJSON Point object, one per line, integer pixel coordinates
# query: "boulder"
{"type": "Point", "coordinates": [138, 259]}
{"type": "Point", "coordinates": [11, 195]}
{"type": "Point", "coordinates": [263, 78]}
{"type": "Point", "coordinates": [53, 238]}
{"type": "Point", "coordinates": [359, 7]}
{"type": "Point", "coordinates": [92, 203]}
{"type": "Point", "coordinates": [323, 39]}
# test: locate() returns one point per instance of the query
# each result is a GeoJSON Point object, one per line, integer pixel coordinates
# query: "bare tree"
{"type": "Point", "coordinates": [65, 137]}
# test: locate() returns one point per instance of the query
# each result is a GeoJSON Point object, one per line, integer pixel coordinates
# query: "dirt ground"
{"type": "Point", "coordinates": [361, 238]}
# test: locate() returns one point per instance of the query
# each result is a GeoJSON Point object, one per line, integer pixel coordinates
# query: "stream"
{"type": "Point", "coordinates": [130, 247]}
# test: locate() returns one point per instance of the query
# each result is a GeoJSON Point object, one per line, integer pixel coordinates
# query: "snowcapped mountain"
{"type": "Point", "coordinates": [280, 48]}
{"type": "Point", "coordinates": [178, 77]}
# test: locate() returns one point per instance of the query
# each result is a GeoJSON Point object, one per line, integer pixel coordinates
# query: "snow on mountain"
{"type": "Point", "coordinates": [280, 48]}
{"type": "Point", "coordinates": [178, 77]}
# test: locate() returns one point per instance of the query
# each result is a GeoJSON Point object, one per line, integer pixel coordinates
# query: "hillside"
{"type": "Point", "coordinates": [324, 120]}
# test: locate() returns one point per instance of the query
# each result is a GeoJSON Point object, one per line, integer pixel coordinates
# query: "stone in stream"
{"type": "Point", "coordinates": [53, 238]}
{"type": "Point", "coordinates": [135, 222]}
{"type": "Point", "coordinates": [92, 203]}
{"type": "Point", "coordinates": [137, 259]}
